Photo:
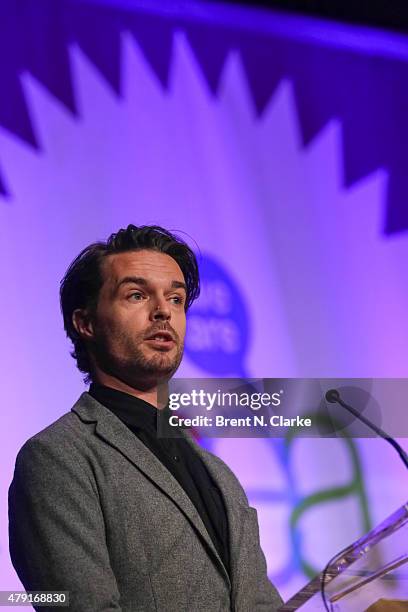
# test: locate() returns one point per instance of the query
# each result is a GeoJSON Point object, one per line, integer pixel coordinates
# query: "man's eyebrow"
{"type": "Point", "coordinates": [140, 280]}
{"type": "Point", "coordinates": [179, 285]}
{"type": "Point", "coordinates": [136, 280]}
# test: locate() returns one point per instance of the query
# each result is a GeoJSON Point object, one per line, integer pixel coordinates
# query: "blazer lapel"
{"type": "Point", "coordinates": [236, 512]}
{"type": "Point", "coordinates": [112, 430]}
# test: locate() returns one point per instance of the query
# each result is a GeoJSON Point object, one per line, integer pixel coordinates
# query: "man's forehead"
{"type": "Point", "coordinates": [143, 263]}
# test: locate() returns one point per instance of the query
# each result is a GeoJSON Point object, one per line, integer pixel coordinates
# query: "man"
{"type": "Point", "coordinates": [99, 505]}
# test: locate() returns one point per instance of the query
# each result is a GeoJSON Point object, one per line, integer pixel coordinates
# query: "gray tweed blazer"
{"type": "Point", "coordinates": [92, 511]}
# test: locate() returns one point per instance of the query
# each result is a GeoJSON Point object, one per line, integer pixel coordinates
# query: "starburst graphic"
{"type": "Point", "coordinates": [318, 278]}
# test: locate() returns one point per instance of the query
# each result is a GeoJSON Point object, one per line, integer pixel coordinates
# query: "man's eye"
{"type": "Point", "coordinates": [177, 299]}
{"type": "Point", "coordinates": [136, 296]}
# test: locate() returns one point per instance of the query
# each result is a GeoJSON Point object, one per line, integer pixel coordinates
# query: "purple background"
{"type": "Point", "coordinates": [278, 144]}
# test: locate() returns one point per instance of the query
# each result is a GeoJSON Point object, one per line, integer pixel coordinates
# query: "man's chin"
{"type": "Point", "coordinates": [164, 363]}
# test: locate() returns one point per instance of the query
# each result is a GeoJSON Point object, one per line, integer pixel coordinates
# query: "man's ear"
{"type": "Point", "coordinates": [82, 321]}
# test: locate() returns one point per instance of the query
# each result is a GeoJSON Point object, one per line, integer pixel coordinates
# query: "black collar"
{"type": "Point", "coordinates": [128, 408]}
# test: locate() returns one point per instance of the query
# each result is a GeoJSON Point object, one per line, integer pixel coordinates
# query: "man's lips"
{"type": "Point", "coordinates": [161, 335]}
{"type": "Point", "coordinates": [161, 340]}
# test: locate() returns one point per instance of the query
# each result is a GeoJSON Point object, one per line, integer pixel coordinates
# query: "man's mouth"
{"type": "Point", "coordinates": [161, 339]}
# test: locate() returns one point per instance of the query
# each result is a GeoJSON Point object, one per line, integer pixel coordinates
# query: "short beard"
{"type": "Point", "coordinates": [137, 370]}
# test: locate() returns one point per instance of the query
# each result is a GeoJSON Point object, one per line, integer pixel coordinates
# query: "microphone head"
{"type": "Point", "coordinates": [332, 396]}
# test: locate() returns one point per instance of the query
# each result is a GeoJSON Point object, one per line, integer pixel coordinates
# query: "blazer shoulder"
{"type": "Point", "coordinates": [65, 436]}
{"type": "Point", "coordinates": [65, 427]}
{"type": "Point", "coordinates": [53, 455]}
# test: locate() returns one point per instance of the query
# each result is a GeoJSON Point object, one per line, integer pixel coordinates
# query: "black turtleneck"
{"type": "Point", "coordinates": [177, 455]}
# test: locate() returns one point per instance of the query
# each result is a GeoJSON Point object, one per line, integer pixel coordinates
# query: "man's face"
{"type": "Point", "coordinates": [140, 320]}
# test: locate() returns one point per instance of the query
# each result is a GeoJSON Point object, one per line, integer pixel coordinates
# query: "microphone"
{"type": "Point", "coordinates": [333, 397]}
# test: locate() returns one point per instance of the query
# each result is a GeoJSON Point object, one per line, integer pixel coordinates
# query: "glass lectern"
{"type": "Point", "coordinates": [370, 575]}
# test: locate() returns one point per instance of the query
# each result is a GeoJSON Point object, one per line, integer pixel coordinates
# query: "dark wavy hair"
{"type": "Point", "coordinates": [83, 280]}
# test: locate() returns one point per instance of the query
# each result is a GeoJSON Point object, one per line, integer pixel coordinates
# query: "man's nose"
{"type": "Point", "coordinates": [160, 310]}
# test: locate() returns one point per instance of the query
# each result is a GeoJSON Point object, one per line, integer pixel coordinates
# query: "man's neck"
{"type": "Point", "coordinates": [148, 395]}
